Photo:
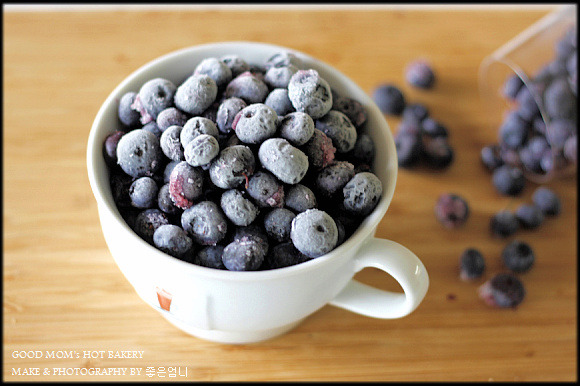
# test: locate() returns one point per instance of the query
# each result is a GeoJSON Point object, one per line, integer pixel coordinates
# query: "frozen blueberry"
{"type": "Point", "coordinates": [362, 193]}
{"type": "Point", "coordinates": [451, 210]}
{"type": "Point", "coordinates": [319, 149]}
{"type": "Point", "coordinates": [279, 101]}
{"type": "Point", "coordinates": [284, 255]}
{"type": "Point", "coordinates": [239, 209]}
{"type": "Point", "coordinates": [419, 74]}
{"type": "Point", "coordinates": [211, 112]}
{"type": "Point", "coordinates": [471, 264]}
{"type": "Point", "coordinates": [171, 144]}
{"type": "Point", "coordinates": [416, 112]}
{"type": "Point", "coordinates": [236, 64]}
{"type": "Point", "coordinates": [278, 223]}
{"type": "Point", "coordinates": [143, 193]}
{"type": "Point", "coordinates": [389, 99]}
{"type": "Point", "coordinates": [185, 185]}
{"type": "Point", "coordinates": [120, 183]}
{"type": "Point", "coordinates": [508, 180]}
{"type": "Point", "coordinates": [339, 129]}
{"type": "Point", "coordinates": [331, 180]}
{"type": "Point", "coordinates": [527, 105]}
{"type": "Point", "coordinates": [196, 94]}
{"type": "Point", "coordinates": [529, 216]}
{"type": "Point", "coordinates": [547, 200]}
{"type": "Point", "coordinates": [205, 223]}
{"type": "Point", "coordinates": [215, 69]}
{"type": "Point", "coordinates": [164, 201]}
{"type": "Point", "coordinates": [559, 130]}
{"type": "Point", "coordinates": [266, 190]}
{"type": "Point", "coordinates": [210, 256]}
{"type": "Point", "coordinates": [128, 116]}
{"type": "Point", "coordinates": [153, 128]}
{"type": "Point", "coordinates": [255, 123]}
{"type": "Point", "coordinates": [518, 256]}
{"type": "Point", "coordinates": [254, 232]}
{"type": "Point", "coordinates": [173, 240]}
{"type": "Point", "coordinates": [170, 117]}
{"type": "Point", "coordinates": [300, 198]}
{"type": "Point", "coordinates": [197, 126]}
{"type": "Point", "coordinates": [310, 93]}
{"type": "Point", "coordinates": [363, 151]}
{"type": "Point", "coordinates": [350, 107]}
{"type": "Point", "coordinates": [504, 290]}
{"type": "Point", "coordinates": [167, 171]}
{"type": "Point", "coordinates": [226, 113]}
{"type": "Point", "coordinates": [296, 127]}
{"type": "Point", "coordinates": [513, 131]}
{"type": "Point", "coordinates": [232, 167]}
{"type": "Point", "coordinates": [408, 149]}
{"type": "Point", "coordinates": [244, 254]}
{"type": "Point", "coordinates": [504, 223]}
{"type": "Point", "coordinates": [433, 128]}
{"type": "Point", "coordinates": [314, 233]}
{"type": "Point", "coordinates": [154, 96]}
{"type": "Point", "coordinates": [147, 223]}
{"type": "Point", "coordinates": [139, 153]}
{"type": "Point", "coordinates": [110, 147]}
{"type": "Point", "coordinates": [201, 150]}
{"type": "Point", "coordinates": [512, 86]}
{"type": "Point", "coordinates": [509, 156]}
{"type": "Point", "coordinates": [570, 149]}
{"type": "Point", "coordinates": [559, 100]}
{"type": "Point", "coordinates": [490, 157]}
{"type": "Point", "coordinates": [288, 163]}
{"type": "Point", "coordinates": [437, 152]}
{"type": "Point", "coordinates": [279, 77]}
{"type": "Point", "coordinates": [283, 59]}
{"type": "Point", "coordinates": [532, 151]}
{"type": "Point", "coordinates": [248, 87]}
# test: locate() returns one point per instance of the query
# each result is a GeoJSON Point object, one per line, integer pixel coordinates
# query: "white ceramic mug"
{"type": "Point", "coordinates": [242, 307]}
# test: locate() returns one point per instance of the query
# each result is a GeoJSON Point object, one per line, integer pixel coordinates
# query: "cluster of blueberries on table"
{"type": "Point", "coordinates": [243, 166]}
{"type": "Point", "coordinates": [525, 142]}
{"type": "Point", "coordinates": [419, 138]}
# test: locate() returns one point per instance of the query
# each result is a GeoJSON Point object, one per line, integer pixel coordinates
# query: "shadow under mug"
{"type": "Point", "coordinates": [243, 307]}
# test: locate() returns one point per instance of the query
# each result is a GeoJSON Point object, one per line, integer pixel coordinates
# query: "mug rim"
{"type": "Point", "coordinates": [105, 201]}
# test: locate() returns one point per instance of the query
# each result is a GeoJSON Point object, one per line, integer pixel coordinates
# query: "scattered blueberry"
{"type": "Point", "coordinates": [504, 223]}
{"type": "Point", "coordinates": [491, 157]}
{"type": "Point", "coordinates": [518, 256]}
{"type": "Point", "coordinates": [416, 112]}
{"type": "Point", "coordinates": [471, 264]}
{"type": "Point", "coordinates": [408, 149]}
{"type": "Point", "coordinates": [451, 210]}
{"type": "Point", "coordinates": [547, 200]}
{"type": "Point", "coordinates": [389, 99]}
{"type": "Point", "coordinates": [529, 216]}
{"type": "Point", "coordinates": [503, 290]}
{"type": "Point", "coordinates": [508, 180]}
{"type": "Point", "coordinates": [437, 152]}
{"type": "Point", "coordinates": [420, 74]}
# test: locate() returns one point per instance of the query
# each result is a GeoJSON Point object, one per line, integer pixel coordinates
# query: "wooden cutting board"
{"type": "Point", "coordinates": [67, 305]}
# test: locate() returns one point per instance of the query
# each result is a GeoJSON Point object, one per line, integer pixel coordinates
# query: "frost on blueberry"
{"type": "Point", "coordinates": [288, 163]}
{"type": "Point", "coordinates": [139, 153]}
{"type": "Point", "coordinates": [314, 233]}
{"type": "Point", "coordinates": [310, 93]}
{"type": "Point", "coordinates": [196, 94]}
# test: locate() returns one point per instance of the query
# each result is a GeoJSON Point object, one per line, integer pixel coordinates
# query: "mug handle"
{"type": "Point", "coordinates": [399, 262]}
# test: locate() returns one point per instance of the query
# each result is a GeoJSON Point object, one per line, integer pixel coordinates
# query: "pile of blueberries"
{"type": "Point", "coordinates": [243, 166]}
{"type": "Point", "coordinates": [539, 131]}
{"type": "Point", "coordinates": [419, 138]}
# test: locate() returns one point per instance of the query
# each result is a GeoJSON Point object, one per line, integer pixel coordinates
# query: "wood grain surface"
{"type": "Point", "coordinates": [63, 292]}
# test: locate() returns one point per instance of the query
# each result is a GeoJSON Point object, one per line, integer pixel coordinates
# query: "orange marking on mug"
{"type": "Point", "coordinates": [164, 298]}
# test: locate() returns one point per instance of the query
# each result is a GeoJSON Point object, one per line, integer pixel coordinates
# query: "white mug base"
{"type": "Point", "coordinates": [231, 337]}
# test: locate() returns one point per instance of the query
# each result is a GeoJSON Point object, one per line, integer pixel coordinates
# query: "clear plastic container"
{"type": "Point", "coordinates": [526, 55]}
